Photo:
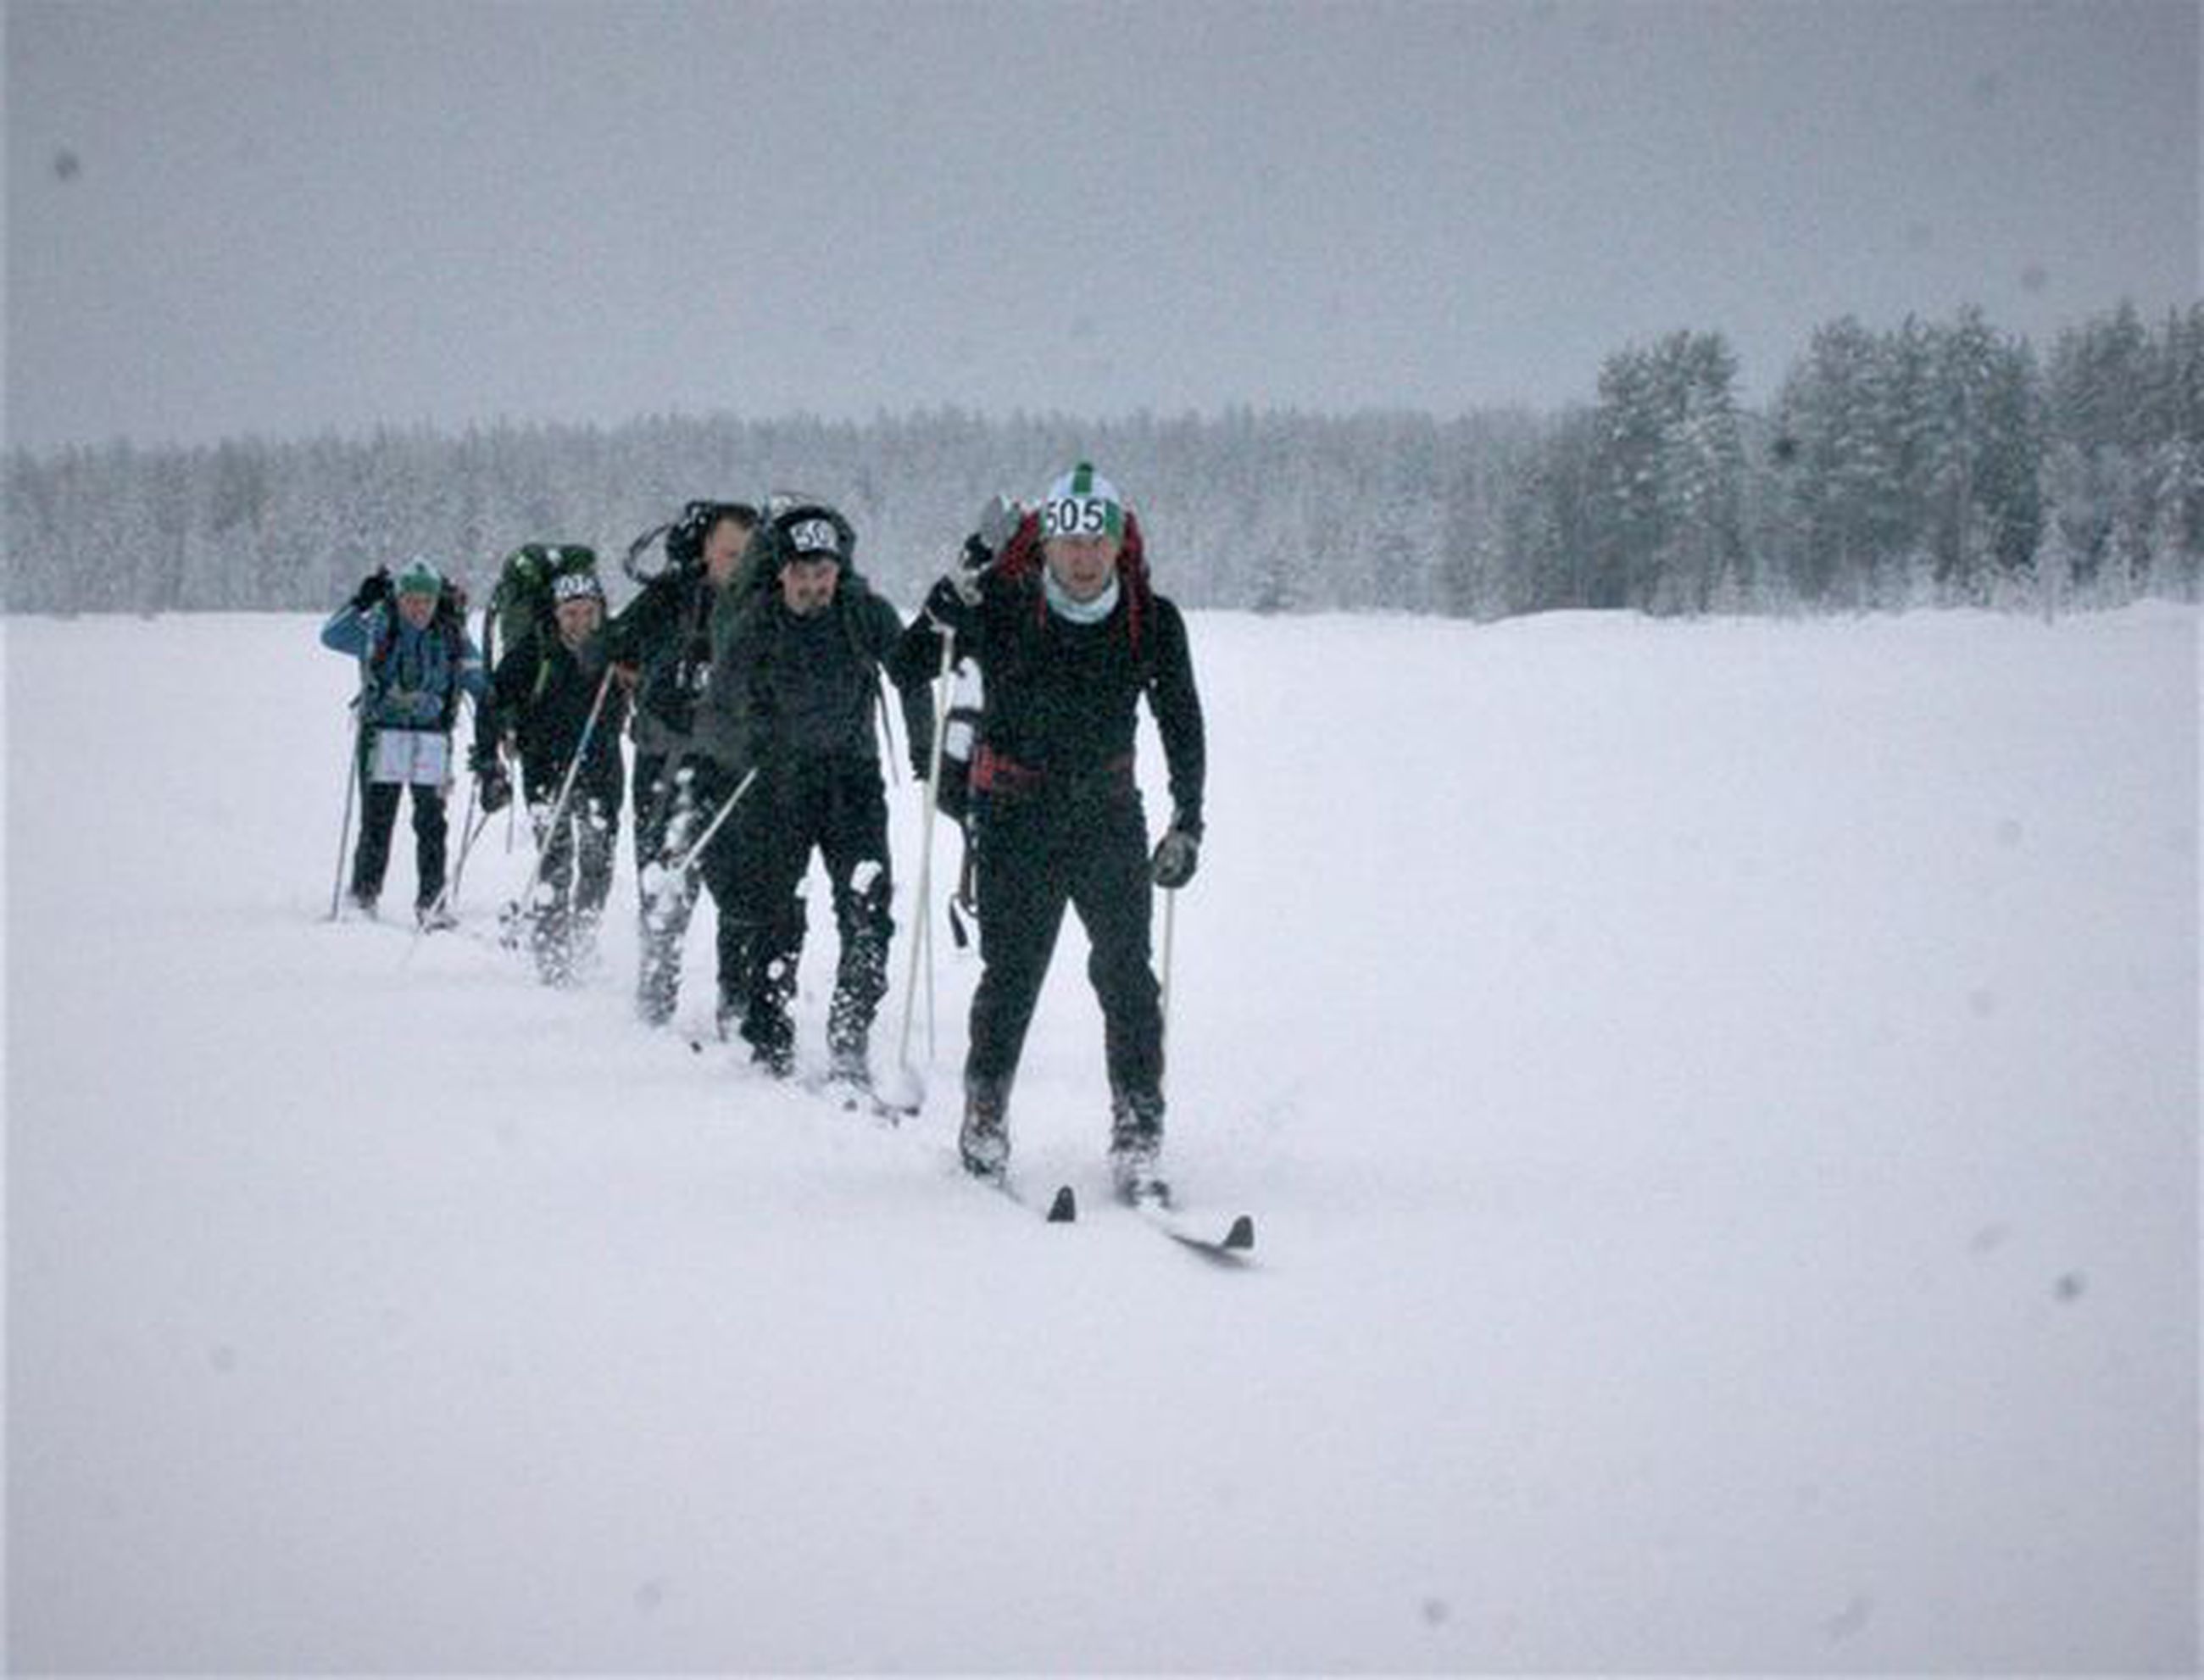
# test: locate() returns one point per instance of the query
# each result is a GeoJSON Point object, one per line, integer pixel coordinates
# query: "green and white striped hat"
{"type": "Point", "coordinates": [1082, 503]}
{"type": "Point", "coordinates": [419, 577]}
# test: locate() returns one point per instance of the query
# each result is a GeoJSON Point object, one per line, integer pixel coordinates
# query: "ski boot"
{"type": "Point", "coordinates": [984, 1139]}
{"type": "Point", "coordinates": [582, 946]}
{"type": "Point", "coordinates": [658, 976]}
{"type": "Point", "coordinates": [848, 1066]}
{"type": "Point", "coordinates": [434, 918]}
{"type": "Point", "coordinates": [654, 1004]}
{"type": "Point", "coordinates": [1136, 1142]}
{"type": "Point", "coordinates": [771, 1038]}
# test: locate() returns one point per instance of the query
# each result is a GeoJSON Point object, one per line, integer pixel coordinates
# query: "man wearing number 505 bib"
{"type": "Point", "coordinates": [1058, 612]}
{"type": "Point", "coordinates": [416, 660]}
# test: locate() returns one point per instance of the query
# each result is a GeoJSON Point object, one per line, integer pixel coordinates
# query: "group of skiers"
{"type": "Point", "coordinates": [748, 673]}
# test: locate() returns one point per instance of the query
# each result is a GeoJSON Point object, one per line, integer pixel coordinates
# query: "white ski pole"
{"type": "Point", "coordinates": [921, 943]}
{"type": "Point", "coordinates": [470, 830]}
{"type": "Point", "coordinates": [353, 771]}
{"type": "Point", "coordinates": [1162, 998]}
{"type": "Point", "coordinates": [687, 860]}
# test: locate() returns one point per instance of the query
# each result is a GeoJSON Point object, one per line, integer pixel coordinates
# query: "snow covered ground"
{"type": "Point", "coordinates": [1720, 1101]}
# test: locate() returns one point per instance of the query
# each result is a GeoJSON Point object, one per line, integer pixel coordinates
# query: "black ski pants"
{"type": "Point", "coordinates": [574, 871]}
{"type": "Point", "coordinates": [379, 819]}
{"type": "Point", "coordinates": [1037, 852]}
{"type": "Point", "coordinates": [837, 807]}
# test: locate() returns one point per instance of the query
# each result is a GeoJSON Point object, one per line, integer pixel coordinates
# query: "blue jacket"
{"type": "Point", "coordinates": [409, 678]}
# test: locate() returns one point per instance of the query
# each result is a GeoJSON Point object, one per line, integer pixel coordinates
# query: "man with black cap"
{"type": "Point", "coordinates": [795, 680]}
{"type": "Point", "coordinates": [552, 697]}
{"type": "Point", "coordinates": [1056, 611]}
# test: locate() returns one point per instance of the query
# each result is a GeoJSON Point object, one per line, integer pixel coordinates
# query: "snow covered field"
{"type": "Point", "coordinates": [1720, 1100]}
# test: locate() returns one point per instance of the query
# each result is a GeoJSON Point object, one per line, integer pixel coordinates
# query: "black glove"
{"type": "Point", "coordinates": [373, 588]}
{"type": "Point", "coordinates": [491, 782]}
{"type": "Point", "coordinates": [948, 605]}
{"type": "Point", "coordinates": [953, 599]}
{"type": "Point", "coordinates": [1176, 855]}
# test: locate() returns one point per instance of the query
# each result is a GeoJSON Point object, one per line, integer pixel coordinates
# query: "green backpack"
{"type": "Point", "coordinates": [522, 601]}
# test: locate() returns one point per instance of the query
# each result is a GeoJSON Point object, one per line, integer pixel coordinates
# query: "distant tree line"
{"type": "Point", "coordinates": [1933, 464]}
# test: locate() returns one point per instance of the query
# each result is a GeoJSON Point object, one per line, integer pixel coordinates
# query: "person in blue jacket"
{"type": "Point", "coordinates": [416, 660]}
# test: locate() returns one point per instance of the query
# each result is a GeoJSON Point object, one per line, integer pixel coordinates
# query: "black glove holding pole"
{"type": "Point", "coordinates": [1176, 855]}
{"type": "Point", "coordinates": [373, 588]}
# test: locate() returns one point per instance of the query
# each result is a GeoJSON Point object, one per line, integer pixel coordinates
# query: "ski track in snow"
{"type": "Point", "coordinates": [1719, 1100]}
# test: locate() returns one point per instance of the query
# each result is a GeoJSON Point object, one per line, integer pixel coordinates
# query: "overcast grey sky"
{"type": "Point", "coordinates": [227, 217]}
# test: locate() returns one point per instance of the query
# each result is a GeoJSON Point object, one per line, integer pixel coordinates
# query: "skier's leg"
{"type": "Point", "coordinates": [378, 817]}
{"type": "Point", "coordinates": [596, 835]}
{"type": "Point", "coordinates": [668, 817]}
{"type": "Point", "coordinates": [429, 831]}
{"type": "Point", "coordinates": [856, 847]}
{"type": "Point", "coordinates": [762, 923]}
{"type": "Point", "coordinates": [1020, 908]}
{"type": "Point", "coordinates": [551, 898]}
{"type": "Point", "coordinates": [1111, 892]}
{"type": "Point", "coordinates": [596, 838]}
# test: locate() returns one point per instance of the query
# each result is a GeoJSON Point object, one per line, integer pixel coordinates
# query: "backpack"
{"type": "Point", "coordinates": [521, 601]}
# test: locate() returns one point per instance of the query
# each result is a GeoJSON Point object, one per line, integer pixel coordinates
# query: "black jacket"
{"type": "Point", "coordinates": [665, 632]}
{"type": "Point", "coordinates": [787, 689]}
{"type": "Point", "coordinates": [1061, 711]}
{"type": "Point", "coordinates": [543, 693]}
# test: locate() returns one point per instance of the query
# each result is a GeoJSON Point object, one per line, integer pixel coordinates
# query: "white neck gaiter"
{"type": "Point", "coordinates": [1079, 612]}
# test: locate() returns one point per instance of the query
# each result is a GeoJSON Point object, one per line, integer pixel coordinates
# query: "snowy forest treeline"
{"type": "Point", "coordinates": [1931, 464]}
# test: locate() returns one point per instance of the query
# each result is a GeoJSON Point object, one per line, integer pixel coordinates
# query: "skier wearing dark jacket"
{"type": "Point", "coordinates": [662, 643]}
{"type": "Point", "coordinates": [1069, 637]}
{"type": "Point", "coordinates": [795, 683]}
{"type": "Point", "coordinates": [543, 694]}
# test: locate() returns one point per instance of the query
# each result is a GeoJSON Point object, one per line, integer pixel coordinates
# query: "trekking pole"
{"type": "Point", "coordinates": [470, 830]}
{"type": "Point", "coordinates": [353, 769]}
{"type": "Point", "coordinates": [682, 864]}
{"type": "Point", "coordinates": [1163, 995]}
{"type": "Point", "coordinates": [922, 942]}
